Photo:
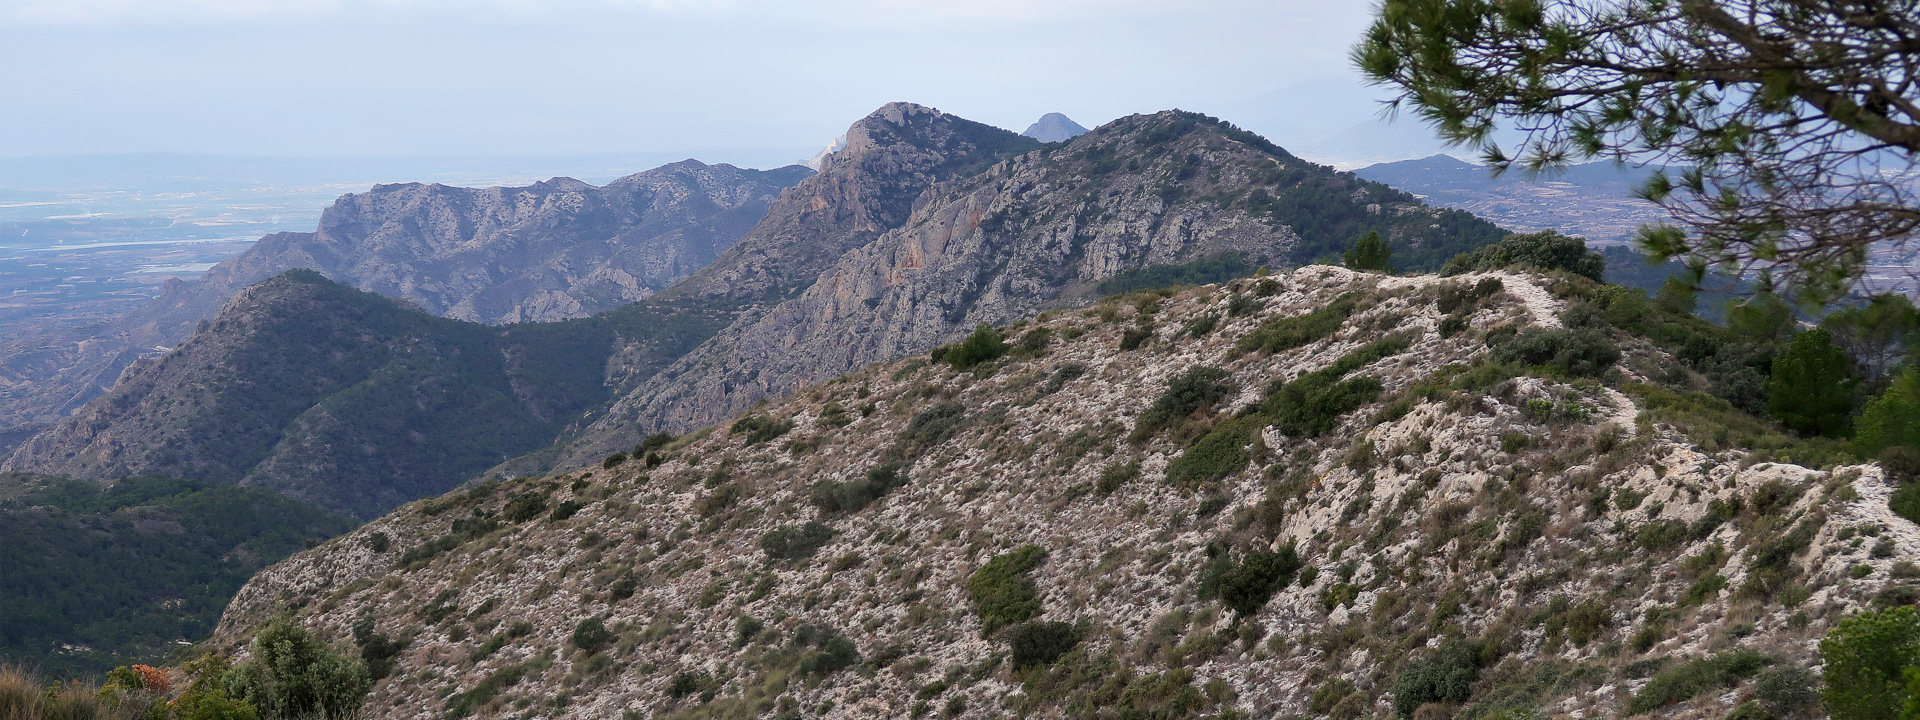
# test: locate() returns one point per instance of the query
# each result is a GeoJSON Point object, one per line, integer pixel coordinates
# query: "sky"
{"type": "Point", "coordinates": [756, 82]}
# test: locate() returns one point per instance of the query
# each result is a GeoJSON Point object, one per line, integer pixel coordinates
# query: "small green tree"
{"type": "Point", "coordinates": [1810, 390]}
{"type": "Point", "coordinates": [1763, 317]}
{"type": "Point", "coordinates": [1865, 658]}
{"type": "Point", "coordinates": [1892, 418]}
{"type": "Point", "coordinates": [1877, 335]}
{"type": "Point", "coordinates": [1678, 295]}
{"type": "Point", "coordinates": [293, 674]}
{"type": "Point", "coordinates": [1370, 254]}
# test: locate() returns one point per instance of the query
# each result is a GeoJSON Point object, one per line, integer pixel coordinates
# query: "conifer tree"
{"type": "Point", "coordinates": [1370, 254]}
{"type": "Point", "coordinates": [1810, 390]}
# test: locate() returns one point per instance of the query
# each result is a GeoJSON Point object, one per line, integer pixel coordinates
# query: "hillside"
{"type": "Point", "coordinates": [550, 251]}
{"type": "Point", "coordinates": [343, 398]}
{"type": "Point", "coordinates": [1315, 493]}
{"type": "Point", "coordinates": [95, 576]}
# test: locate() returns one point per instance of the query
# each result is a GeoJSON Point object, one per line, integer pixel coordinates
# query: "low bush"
{"type": "Point", "coordinates": [1133, 338]}
{"type": "Point", "coordinates": [564, 510]}
{"type": "Point", "coordinates": [1546, 251]}
{"type": "Point", "coordinates": [591, 634]}
{"type": "Point", "coordinates": [759, 429]}
{"type": "Point", "coordinates": [1292, 332]}
{"type": "Point", "coordinates": [792, 542]}
{"type": "Point", "coordinates": [1114, 476]}
{"type": "Point", "coordinates": [982, 346]}
{"type": "Point", "coordinates": [934, 425]}
{"type": "Point", "coordinates": [1695, 677]}
{"type": "Point", "coordinates": [1247, 586]}
{"type": "Point", "coordinates": [1905, 501]}
{"type": "Point", "coordinates": [1444, 675]}
{"type": "Point", "coordinates": [1310, 405]}
{"type": "Point", "coordinates": [1581, 352]}
{"type": "Point", "coordinates": [1219, 453]}
{"type": "Point", "coordinates": [855, 495]}
{"type": "Point", "coordinates": [1003, 591]}
{"type": "Point", "coordinates": [1786, 690]}
{"type": "Point", "coordinates": [1041, 643]}
{"type": "Point", "coordinates": [1198, 387]}
{"type": "Point", "coordinates": [524, 507]}
{"type": "Point", "coordinates": [826, 651]}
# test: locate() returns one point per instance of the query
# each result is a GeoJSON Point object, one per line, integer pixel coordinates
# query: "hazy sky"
{"type": "Point", "coordinates": [719, 79]}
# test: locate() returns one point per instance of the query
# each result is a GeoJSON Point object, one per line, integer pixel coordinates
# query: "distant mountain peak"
{"type": "Point", "coordinates": [1054, 127]}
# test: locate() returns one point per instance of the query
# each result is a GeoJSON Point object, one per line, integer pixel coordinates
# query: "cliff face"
{"type": "Point", "coordinates": [1318, 493]}
{"type": "Point", "coordinates": [550, 251]}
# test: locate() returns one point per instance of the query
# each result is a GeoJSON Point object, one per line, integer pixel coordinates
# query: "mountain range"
{"type": "Point", "coordinates": [922, 226]}
{"type": "Point", "coordinates": [550, 251]}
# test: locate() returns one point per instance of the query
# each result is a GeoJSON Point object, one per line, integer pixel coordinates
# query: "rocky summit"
{"type": "Point", "coordinates": [1313, 493]}
{"type": "Point", "coordinates": [1054, 127]}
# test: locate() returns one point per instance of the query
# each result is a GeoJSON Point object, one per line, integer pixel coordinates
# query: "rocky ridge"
{"type": "Point", "coordinates": [1102, 521]}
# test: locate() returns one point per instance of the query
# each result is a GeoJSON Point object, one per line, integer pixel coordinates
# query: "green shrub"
{"type": "Point", "coordinates": [1547, 251]}
{"type": "Point", "coordinates": [294, 674]}
{"type": "Point", "coordinates": [1584, 352]}
{"type": "Point", "coordinates": [1586, 620]}
{"type": "Point", "coordinates": [1041, 643]}
{"type": "Point", "coordinates": [855, 495]}
{"type": "Point", "coordinates": [759, 429]}
{"type": "Point", "coordinates": [1444, 675]}
{"type": "Point", "coordinates": [1246, 587]}
{"type": "Point", "coordinates": [1062, 374]}
{"type": "Point", "coordinates": [460, 705]}
{"type": "Point", "coordinates": [982, 346]}
{"type": "Point", "coordinates": [1133, 338]}
{"type": "Point", "coordinates": [1695, 677]}
{"type": "Point", "coordinates": [791, 542]}
{"type": "Point", "coordinates": [1003, 592]}
{"type": "Point", "coordinates": [1786, 690]}
{"type": "Point", "coordinates": [686, 683]}
{"type": "Point", "coordinates": [1892, 420]}
{"type": "Point", "coordinates": [1219, 453]}
{"type": "Point", "coordinates": [1310, 405]}
{"type": "Point", "coordinates": [1810, 390]}
{"type": "Point", "coordinates": [830, 651]}
{"type": "Point", "coordinates": [1864, 659]}
{"type": "Point", "coordinates": [1292, 332]}
{"type": "Point", "coordinates": [1112, 477]}
{"type": "Point", "coordinates": [613, 461]}
{"type": "Point", "coordinates": [1204, 271]}
{"type": "Point", "coordinates": [591, 634]}
{"type": "Point", "coordinates": [1370, 254]}
{"type": "Point", "coordinates": [1197, 388]}
{"type": "Point", "coordinates": [524, 507]}
{"type": "Point", "coordinates": [564, 510]}
{"type": "Point", "coordinates": [1905, 501]}
{"type": "Point", "coordinates": [934, 425]}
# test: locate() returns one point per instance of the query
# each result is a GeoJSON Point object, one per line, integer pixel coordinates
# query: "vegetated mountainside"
{"type": "Point", "coordinates": [550, 251]}
{"type": "Point", "coordinates": [1316, 493]}
{"type": "Point", "coordinates": [344, 398]}
{"type": "Point", "coordinates": [97, 575]}
{"type": "Point", "coordinates": [1040, 230]}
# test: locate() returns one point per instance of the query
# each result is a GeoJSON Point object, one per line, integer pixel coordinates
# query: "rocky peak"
{"type": "Point", "coordinates": [1054, 127]}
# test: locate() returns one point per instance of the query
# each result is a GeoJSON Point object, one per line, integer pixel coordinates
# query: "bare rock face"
{"type": "Point", "coordinates": [550, 251]}
{"type": "Point", "coordinates": [1056, 533]}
